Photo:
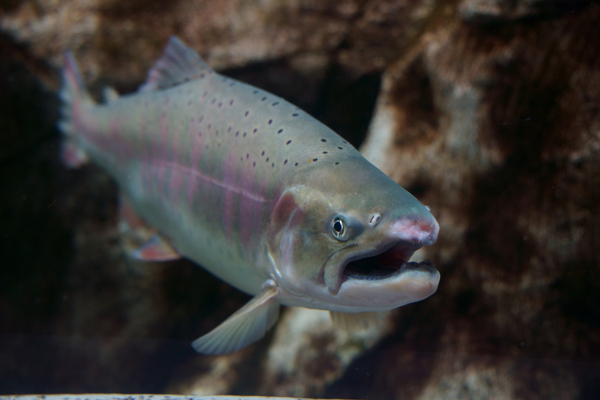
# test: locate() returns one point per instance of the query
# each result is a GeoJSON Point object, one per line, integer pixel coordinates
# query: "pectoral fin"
{"type": "Point", "coordinates": [244, 327]}
{"type": "Point", "coordinates": [356, 321]}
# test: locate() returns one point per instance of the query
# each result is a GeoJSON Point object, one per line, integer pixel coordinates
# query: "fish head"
{"type": "Point", "coordinates": [342, 240]}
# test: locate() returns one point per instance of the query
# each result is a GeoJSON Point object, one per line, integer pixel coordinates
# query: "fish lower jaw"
{"type": "Point", "coordinates": [412, 282]}
{"type": "Point", "coordinates": [380, 279]}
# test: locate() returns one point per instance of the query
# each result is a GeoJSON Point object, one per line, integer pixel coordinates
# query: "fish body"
{"type": "Point", "coordinates": [254, 190]}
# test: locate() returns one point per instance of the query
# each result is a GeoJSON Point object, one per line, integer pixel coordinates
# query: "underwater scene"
{"type": "Point", "coordinates": [336, 199]}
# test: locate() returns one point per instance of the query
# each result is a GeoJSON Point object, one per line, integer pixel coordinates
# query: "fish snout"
{"type": "Point", "coordinates": [416, 229]}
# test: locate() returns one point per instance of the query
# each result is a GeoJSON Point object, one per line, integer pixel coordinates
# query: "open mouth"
{"type": "Point", "coordinates": [386, 264]}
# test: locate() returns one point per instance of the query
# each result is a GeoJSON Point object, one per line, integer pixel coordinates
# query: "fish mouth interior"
{"type": "Point", "coordinates": [386, 264]}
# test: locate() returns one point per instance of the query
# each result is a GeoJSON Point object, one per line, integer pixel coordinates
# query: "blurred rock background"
{"type": "Point", "coordinates": [487, 110]}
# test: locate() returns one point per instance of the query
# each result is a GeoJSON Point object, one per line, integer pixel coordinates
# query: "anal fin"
{"type": "Point", "coordinates": [140, 240]}
{"type": "Point", "coordinates": [156, 249]}
{"type": "Point", "coordinates": [244, 327]}
{"type": "Point", "coordinates": [356, 321]}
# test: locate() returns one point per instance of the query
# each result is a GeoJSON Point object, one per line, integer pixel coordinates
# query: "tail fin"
{"type": "Point", "coordinates": [74, 96]}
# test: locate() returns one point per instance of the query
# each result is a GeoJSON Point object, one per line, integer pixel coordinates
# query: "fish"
{"type": "Point", "coordinates": [253, 189]}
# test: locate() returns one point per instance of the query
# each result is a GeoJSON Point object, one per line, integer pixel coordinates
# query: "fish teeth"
{"type": "Point", "coordinates": [423, 265]}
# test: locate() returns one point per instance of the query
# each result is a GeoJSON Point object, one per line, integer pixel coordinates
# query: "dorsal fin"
{"type": "Point", "coordinates": [178, 64]}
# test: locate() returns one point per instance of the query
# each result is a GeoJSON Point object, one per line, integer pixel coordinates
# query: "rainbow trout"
{"type": "Point", "coordinates": [256, 191]}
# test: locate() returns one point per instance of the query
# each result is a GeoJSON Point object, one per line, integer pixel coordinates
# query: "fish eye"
{"type": "Point", "coordinates": [339, 228]}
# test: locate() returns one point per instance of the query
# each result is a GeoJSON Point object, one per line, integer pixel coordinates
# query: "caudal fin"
{"type": "Point", "coordinates": [74, 97]}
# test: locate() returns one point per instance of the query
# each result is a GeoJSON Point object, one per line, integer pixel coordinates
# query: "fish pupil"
{"type": "Point", "coordinates": [338, 227]}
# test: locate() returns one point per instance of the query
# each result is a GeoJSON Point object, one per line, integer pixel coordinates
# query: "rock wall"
{"type": "Point", "coordinates": [487, 110]}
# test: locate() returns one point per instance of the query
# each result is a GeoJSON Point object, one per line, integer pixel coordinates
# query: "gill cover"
{"type": "Point", "coordinates": [297, 223]}
{"type": "Point", "coordinates": [305, 234]}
